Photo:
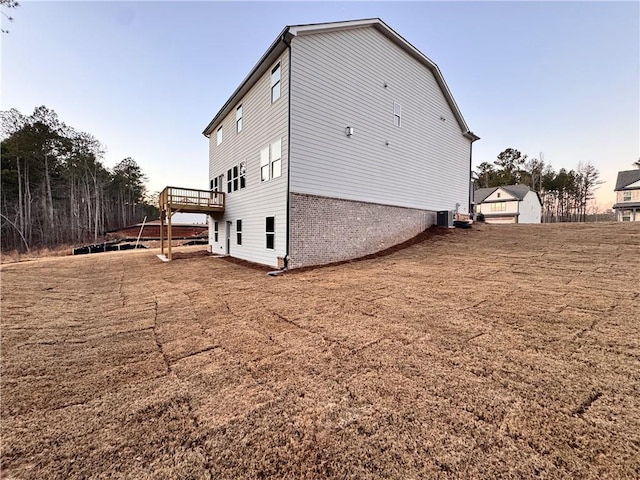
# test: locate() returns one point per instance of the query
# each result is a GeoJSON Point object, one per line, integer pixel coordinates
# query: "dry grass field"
{"type": "Point", "coordinates": [499, 352]}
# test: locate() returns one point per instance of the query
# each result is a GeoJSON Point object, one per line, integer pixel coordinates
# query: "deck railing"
{"type": "Point", "coordinates": [178, 198]}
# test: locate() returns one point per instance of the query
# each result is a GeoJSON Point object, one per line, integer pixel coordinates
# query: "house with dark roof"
{"type": "Point", "coordinates": [343, 140]}
{"type": "Point", "coordinates": [627, 206]}
{"type": "Point", "coordinates": [508, 204]}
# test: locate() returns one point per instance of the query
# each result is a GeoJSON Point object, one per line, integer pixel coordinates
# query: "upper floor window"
{"type": "Point", "coordinates": [236, 177]}
{"type": "Point", "coordinates": [219, 135]}
{"type": "Point", "coordinates": [271, 161]}
{"type": "Point", "coordinates": [626, 196]}
{"type": "Point", "coordinates": [239, 119]}
{"type": "Point", "coordinates": [397, 114]}
{"type": "Point", "coordinates": [275, 83]}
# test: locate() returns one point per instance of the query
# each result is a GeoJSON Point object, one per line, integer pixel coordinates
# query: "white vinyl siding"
{"type": "Point", "coordinates": [353, 78]}
{"type": "Point", "coordinates": [263, 123]}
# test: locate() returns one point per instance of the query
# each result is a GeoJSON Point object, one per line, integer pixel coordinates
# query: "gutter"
{"type": "Point", "coordinates": [288, 219]}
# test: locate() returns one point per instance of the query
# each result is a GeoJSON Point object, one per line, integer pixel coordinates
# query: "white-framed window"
{"type": "Point", "coordinates": [219, 135]}
{"type": "Point", "coordinates": [215, 231]}
{"type": "Point", "coordinates": [236, 177]}
{"type": "Point", "coordinates": [239, 119]}
{"type": "Point", "coordinates": [264, 164]}
{"type": "Point", "coordinates": [271, 161]}
{"type": "Point", "coordinates": [275, 150]}
{"type": "Point", "coordinates": [499, 206]}
{"type": "Point", "coordinates": [275, 83]}
{"type": "Point", "coordinates": [211, 183]}
{"type": "Point", "coordinates": [242, 167]}
{"type": "Point", "coordinates": [239, 232]}
{"type": "Point", "coordinates": [626, 196]}
{"type": "Point", "coordinates": [397, 114]}
{"type": "Point", "coordinates": [270, 230]}
{"type": "Point", "coordinates": [626, 215]}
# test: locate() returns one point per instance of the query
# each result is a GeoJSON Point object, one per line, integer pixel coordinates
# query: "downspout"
{"type": "Point", "coordinates": [286, 255]}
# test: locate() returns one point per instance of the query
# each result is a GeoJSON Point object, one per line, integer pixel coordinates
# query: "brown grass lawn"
{"type": "Point", "coordinates": [500, 352]}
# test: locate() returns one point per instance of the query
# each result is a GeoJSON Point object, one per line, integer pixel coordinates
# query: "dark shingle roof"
{"type": "Point", "coordinates": [480, 194]}
{"type": "Point", "coordinates": [518, 191]}
{"type": "Point", "coordinates": [627, 177]}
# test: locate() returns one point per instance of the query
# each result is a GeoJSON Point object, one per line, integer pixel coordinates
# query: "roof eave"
{"type": "Point", "coordinates": [276, 48]}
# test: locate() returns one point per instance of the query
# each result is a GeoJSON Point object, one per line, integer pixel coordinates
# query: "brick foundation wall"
{"type": "Point", "coordinates": [326, 230]}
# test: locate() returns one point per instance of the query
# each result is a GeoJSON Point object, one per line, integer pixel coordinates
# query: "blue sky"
{"type": "Point", "coordinates": [145, 78]}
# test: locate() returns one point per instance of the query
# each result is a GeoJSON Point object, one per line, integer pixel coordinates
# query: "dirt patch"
{"type": "Point", "coordinates": [499, 352]}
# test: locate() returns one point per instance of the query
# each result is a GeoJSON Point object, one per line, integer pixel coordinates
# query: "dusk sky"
{"type": "Point", "coordinates": [145, 78]}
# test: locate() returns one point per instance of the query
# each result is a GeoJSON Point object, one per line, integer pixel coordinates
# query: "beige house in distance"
{"type": "Point", "coordinates": [627, 206]}
{"type": "Point", "coordinates": [343, 140]}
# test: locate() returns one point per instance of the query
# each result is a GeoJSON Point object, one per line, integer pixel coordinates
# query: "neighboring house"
{"type": "Point", "coordinates": [342, 141]}
{"type": "Point", "coordinates": [508, 204]}
{"type": "Point", "coordinates": [627, 206]}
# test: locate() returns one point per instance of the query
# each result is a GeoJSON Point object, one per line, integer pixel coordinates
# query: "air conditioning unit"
{"type": "Point", "coordinates": [445, 218]}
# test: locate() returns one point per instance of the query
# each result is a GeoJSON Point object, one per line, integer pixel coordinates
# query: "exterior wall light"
{"type": "Point", "coordinates": [348, 131]}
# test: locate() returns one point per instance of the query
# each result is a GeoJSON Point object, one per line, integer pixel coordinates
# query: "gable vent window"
{"type": "Point", "coordinates": [270, 229]}
{"type": "Point", "coordinates": [397, 114]}
{"type": "Point", "coordinates": [239, 119]}
{"type": "Point", "coordinates": [498, 195]}
{"type": "Point", "coordinates": [219, 135]}
{"type": "Point", "coordinates": [275, 83]}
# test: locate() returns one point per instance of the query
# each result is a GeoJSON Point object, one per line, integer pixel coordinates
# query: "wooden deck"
{"type": "Point", "coordinates": [188, 200]}
{"type": "Point", "coordinates": [191, 201]}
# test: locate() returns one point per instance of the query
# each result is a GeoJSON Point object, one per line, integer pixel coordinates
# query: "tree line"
{"type": "Point", "coordinates": [55, 188]}
{"type": "Point", "coordinates": [565, 194]}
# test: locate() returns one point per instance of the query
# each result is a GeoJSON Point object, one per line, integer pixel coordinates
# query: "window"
{"type": "Point", "coordinates": [239, 232]}
{"type": "Point", "coordinates": [243, 173]}
{"type": "Point", "coordinates": [499, 206]}
{"type": "Point", "coordinates": [239, 119]}
{"type": "Point", "coordinates": [219, 135]}
{"type": "Point", "coordinates": [498, 194]}
{"type": "Point", "coordinates": [270, 229]}
{"type": "Point", "coordinates": [275, 83]}
{"type": "Point", "coordinates": [211, 183]}
{"type": "Point", "coordinates": [215, 231]}
{"type": "Point", "coordinates": [271, 161]}
{"type": "Point", "coordinates": [626, 215]}
{"type": "Point", "coordinates": [236, 177]}
{"type": "Point", "coordinates": [276, 162]}
{"type": "Point", "coordinates": [626, 196]}
{"type": "Point", "coordinates": [264, 164]}
{"type": "Point", "coordinates": [397, 114]}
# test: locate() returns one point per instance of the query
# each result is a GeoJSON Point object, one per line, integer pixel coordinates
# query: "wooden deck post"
{"type": "Point", "coordinates": [169, 229]}
{"type": "Point", "coordinates": [161, 229]}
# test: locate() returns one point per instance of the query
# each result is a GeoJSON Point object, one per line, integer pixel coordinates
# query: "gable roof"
{"type": "Point", "coordinates": [627, 177]}
{"type": "Point", "coordinates": [519, 191]}
{"type": "Point", "coordinates": [282, 42]}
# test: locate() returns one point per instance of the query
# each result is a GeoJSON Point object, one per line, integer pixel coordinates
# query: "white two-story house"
{"type": "Point", "coordinates": [343, 140]}
{"type": "Point", "coordinates": [508, 204]}
{"type": "Point", "coordinates": [627, 206]}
